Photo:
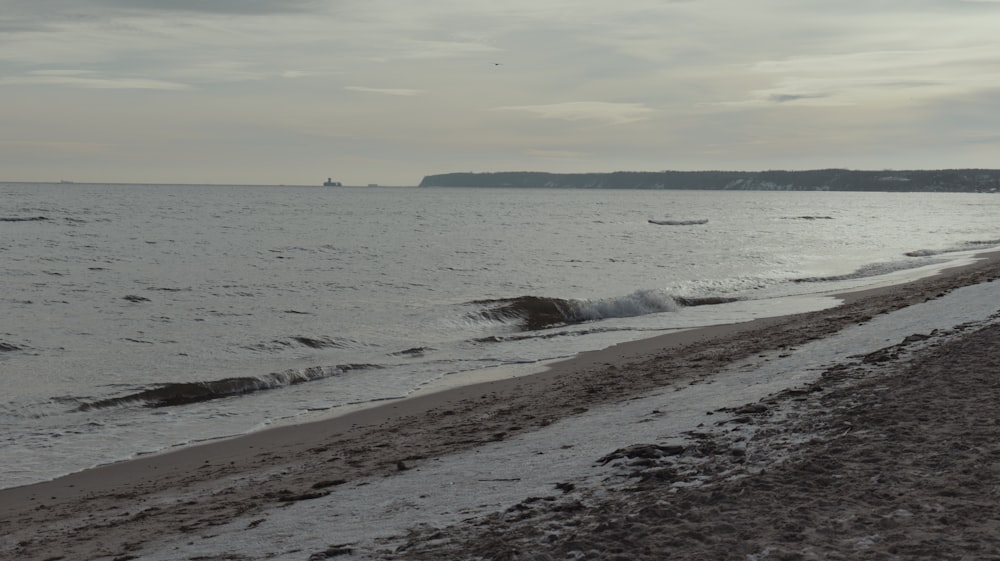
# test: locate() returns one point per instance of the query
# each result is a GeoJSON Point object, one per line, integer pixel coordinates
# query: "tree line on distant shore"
{"type": "Point", "coordinates": [947, 181]}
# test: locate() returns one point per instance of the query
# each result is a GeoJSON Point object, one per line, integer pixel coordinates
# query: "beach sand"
{"type": "Point", "coordinates": [891, 455]}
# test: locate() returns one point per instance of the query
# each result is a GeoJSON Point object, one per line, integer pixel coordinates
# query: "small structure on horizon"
{"type": "Point", "coordinates": [331, 183]}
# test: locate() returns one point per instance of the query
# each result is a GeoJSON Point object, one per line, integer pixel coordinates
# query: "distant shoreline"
{"type": "Point", "coordinates": [925, 181]}
{"type": "Point", "coordinates": [964, 180]}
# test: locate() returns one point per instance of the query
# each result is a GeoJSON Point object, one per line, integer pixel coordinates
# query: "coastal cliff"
{"type": "Point", "coordinates": [953, 181]}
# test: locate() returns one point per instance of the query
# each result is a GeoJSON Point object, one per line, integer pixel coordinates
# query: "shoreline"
{"type": "Point", "coordinates": [888, 454]}
{"type": "Point", "coordinates": [201, 486]}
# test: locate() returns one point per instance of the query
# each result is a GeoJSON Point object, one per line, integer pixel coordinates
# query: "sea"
{"type": "Point", "coordinates": [140, 318]}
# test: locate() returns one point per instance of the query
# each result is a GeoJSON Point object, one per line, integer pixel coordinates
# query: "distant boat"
{"type": "Point", "coordinates": [331, 183]}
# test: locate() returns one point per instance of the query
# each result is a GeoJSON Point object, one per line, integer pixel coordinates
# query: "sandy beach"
{"type": "Point", "coordinates": [790, 447]}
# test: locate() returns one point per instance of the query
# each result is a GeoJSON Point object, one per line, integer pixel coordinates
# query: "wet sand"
{"type": "Point", "coordinates": [122, 510]}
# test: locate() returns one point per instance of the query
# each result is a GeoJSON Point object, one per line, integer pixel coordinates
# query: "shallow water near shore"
{"type": "Point", "coordinates": [137, 318]}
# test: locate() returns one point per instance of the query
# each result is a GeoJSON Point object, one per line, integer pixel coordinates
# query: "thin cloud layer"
{"type": "Point", "coordinates": [90, 80]}
{"type": "Point", "coordinates": [386, 91]}
{"type": "Point", "coordinates": [100, 8]}
{"type": "Point", "coordinates": [599, 111]}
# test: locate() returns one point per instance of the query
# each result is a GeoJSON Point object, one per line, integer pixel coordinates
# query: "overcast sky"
{"type": "Point", "coordinates": [387, 91]}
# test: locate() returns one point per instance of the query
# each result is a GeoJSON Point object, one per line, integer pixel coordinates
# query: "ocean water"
{"type": "Point", "coordinates": [136, 318]}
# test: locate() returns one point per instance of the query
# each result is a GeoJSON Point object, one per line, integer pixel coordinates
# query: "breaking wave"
{"type": "Point", "coordinates": [531, 313]}
{"type": "Point", "coordinates": [874, 270]}
{"type": "Point", "coordinates": [184, 393]}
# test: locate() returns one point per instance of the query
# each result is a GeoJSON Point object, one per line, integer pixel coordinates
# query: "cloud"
{"type": "Point", "coordinates": [225, 6]}
{"type": "Point", "coordinates": [15, 25]}
{"type": "Point", "coordinates": [557, 154]}
{"type": "Point", "coordinates": [221, 71]}
{"type": "Point", "coordinates": [58, 147]}
{"type": "Point", "coordinates": [445, 49]}
{"type": "Point", "coordinates": [855, 78]}
{"type": "Point", "coordinates": [582, 82]}
{"type": "Point", "coordinates": [236, 7]}
{"type": "Point", "coordinates": [89, 80]}
{"type": "Point", "coordinates": [786, 98]}
{"type": "Point", "coordinates": [385, 91]}
{"type": "Point", "coordinates": [600, 111]}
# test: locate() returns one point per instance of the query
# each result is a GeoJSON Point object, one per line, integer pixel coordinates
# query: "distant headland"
{"type": "Point", "coordinates": [943, 181]}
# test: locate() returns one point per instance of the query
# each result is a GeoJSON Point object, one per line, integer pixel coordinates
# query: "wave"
{"type": "Point", "coordinates": [301, 340]}
{"type": "Point", "coordinates": [22, 219]}
{"type": "Point", "coordinates": [531, 313]}
{"type": "Point", "coordinates": [967, 246]}
{"type": "Point", "coordinates": [679, 222]}
{"type": "Point", "coordinates": [414, 352]}
{"type": "Point", "coordinates": [917, 259]}
{"type": "Point", "coordinates": [555, 334]}
{"type": "Point", "coordinates": [873, 270]}
{"type": "Point", "coordinates": [184, 393]}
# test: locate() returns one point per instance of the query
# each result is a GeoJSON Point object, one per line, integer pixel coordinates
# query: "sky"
{"type": "Point", "coordinates": [387, 91]}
